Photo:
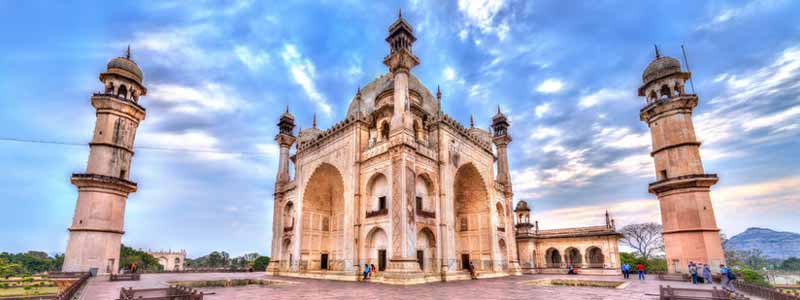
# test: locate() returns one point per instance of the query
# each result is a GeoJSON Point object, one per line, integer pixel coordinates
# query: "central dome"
{"type": "Point", "coordinates": [383, 83]}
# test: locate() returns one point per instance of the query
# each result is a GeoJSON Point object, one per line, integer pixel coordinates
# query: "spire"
{"type": "Point", "coordinates": [658, 55]}
{"type": "Point", "coordinates": [608, 220]}
{"type": "Point", "coordinates": [314, 121]}
{"type": "Point", "coordinates": [287, 108]}
{"type": "Point", "coordinates": [128, 53]}
{"type": "Point", "coordinates": [438, 92]}
{"type": "Point", "coordinates": [399, 13]}
{"type": "Point", "coordinates": [471, 121]}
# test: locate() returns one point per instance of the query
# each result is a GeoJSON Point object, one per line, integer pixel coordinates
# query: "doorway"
{"type": "Point", "coordinates": [323, 264]}
{"type": "Point", "coordinates": [421, 259]}
{"type": "Point", "coordinates": [381, 260]}
{"type": "Point", "coordinates": [465, 261]}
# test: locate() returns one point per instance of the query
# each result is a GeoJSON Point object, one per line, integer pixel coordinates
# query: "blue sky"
{"type": "Point", "coordinates": [220, 72]}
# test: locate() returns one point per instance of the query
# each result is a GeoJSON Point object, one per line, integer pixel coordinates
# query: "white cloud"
{"type": "Point", "coordinates": [481, 13]}
{"type": "Point", "coordinates": [253, 61]}
{"type": "Point", "coordinates": [640, 165]}
{"type": "Point", "coordinates": [549, 86]}
{"type": "Point", "coordinates": [790, 115]}
{"type": "Point", "coordinates": [769, 200]}
{"type": "Point", "coordinates": [303, 73]}
{"type": "Point", "coordinates": [731, 14]}
{"type": "Point", "coordinates": [545, 132]}
{"type": "Point", "coordinates": [179, 47]}
{"type": "Point", "coordinates": [208, 98]}
{"type": "Point", "coordinates": [623, 212]}
{"type": "Point", "coordinates": [620, 138]}
{"type": "Point", "coordinates": [463, 34]}
{"type": "Point", "coordinates": [271, 149]}
{"type": "Point", "coordinates": [542, 109]}
{"type": "Point", "coordinates": [203, 145]}
{"type": "Point", "coordinates": [601, 96]}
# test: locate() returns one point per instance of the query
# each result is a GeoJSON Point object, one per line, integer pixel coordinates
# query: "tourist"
{"type": "Point", "coordinates": [472, 273]}
{"type": "Point", "coordinates": [640, 270]}
{"type": "Point", "coordinates": [707, 274]}
{"type": "Point", "coordinates": [366, 271]}
{"type": "Point", "coordinates": [133, 267]}
{"type": "Point", "coordinates": [728, 277]}
{"type": "Point", "coordinates": [570, 270]}
{"type": "Point", "coordinates": [626, 270]}
{"type": "Point", "coordinates": [371, 270]}
{"type": "Point", "coordinates": [693, 272]}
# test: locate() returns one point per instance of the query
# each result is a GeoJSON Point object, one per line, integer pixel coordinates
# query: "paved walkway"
{"type": "Point", "coordinates": [512, 287]}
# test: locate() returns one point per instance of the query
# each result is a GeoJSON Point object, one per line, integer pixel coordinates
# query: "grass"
{"type": "Point", "coordinates": [22, 291]}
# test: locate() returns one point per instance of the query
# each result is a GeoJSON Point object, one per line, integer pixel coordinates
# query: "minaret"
{"type": "Point", "coordinates": [285, 138]}
{"type": "Point", "coordinates": [97, 225]}
{"type": "Point", "coordinates": [682, 186]}
{"type": "Point", "coordinates": [402, 265]}
{"type": "Point", "coordinates": [501, 140]}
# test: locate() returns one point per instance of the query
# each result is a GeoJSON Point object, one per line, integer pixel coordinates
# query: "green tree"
{"type": "Point", "coordinates": [791, 264]}
{"type": "Point", "coordinates": [143, 260]}
{"type": "Point", "coordinates": [653, 264]}
{"type": "Point", "coordinates": [261, 263]}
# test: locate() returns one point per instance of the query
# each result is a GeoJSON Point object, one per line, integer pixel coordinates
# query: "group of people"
{"type": "Point", "coordinates": [700, 273]}
{"type": "Point", "coordinates": [368, 270]}
{"type": "Point", "coordinates": [626, 270]}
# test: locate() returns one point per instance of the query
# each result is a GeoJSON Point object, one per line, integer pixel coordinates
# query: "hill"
{"type": "Point", "coordinates": [773, 244]}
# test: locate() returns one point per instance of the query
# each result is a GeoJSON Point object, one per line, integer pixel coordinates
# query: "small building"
{"type": "Point", "coordinates": [589, 250]}
{"type": "Point", "coordinates": [170, 260]}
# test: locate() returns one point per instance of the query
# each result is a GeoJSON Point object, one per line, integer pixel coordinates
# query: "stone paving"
{"type": "Point", "coordinates": [512, 287]}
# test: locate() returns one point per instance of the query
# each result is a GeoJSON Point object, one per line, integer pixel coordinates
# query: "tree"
{"type": "Point", "coordinates": [791, 264]}
{"type": "Point", "coordinates": [143, 260]}
{"type": "Point", "coordinates": [261, 263]}
{"type": "Point", "coordinates": [644, 238]}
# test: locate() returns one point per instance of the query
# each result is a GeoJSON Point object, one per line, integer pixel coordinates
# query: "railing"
{"type": "Point", "coordinates": [73, 288]}
{"type": "Point", "coordinates": [766, 293]}
{"type": "Point", "coordinates": [426, 214]}
{"type": "Point", "coordinates": [119, 97]}
{"type": "Point", "coordinates": [171, 293]}
{"type": "Point", "coordinates": [692, 176]}
{"type": "Point", "coordinates": [124, 277]}
{"type": "Point", "coordinates": [670, 293]}
{"type": "Point", "coordinates": [380, 212]}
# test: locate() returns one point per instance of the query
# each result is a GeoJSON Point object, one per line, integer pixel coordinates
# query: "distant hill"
{"type": "Point", "coordinates": [773, 244]}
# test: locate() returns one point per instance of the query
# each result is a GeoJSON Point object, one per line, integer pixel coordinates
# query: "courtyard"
{"type": "Point", "coordinates": [511, 287]}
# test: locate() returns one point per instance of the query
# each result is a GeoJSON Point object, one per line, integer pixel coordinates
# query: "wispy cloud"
{"type": "Point", "coordinates": [549, 86]}
{"type": "Point", "coordinates": [600, 96]}
{"type": "Point", "coordinates": [253, 60]}
{"type": "Point", "coordinates": [209, 97]}
{"type": "Point", "coordinates": [303, 72]}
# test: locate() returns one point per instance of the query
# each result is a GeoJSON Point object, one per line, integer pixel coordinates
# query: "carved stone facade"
{"type": "Point", "coordinates": [682, 186]}
{"type": "Point", "coordinates": [170, 260]}
{"type": "Point", "coordinates": [97, 225]}
{"type": "Point", "coordinates": [397, 183]}
{"type": "Point", "coordinates": [588, 250]}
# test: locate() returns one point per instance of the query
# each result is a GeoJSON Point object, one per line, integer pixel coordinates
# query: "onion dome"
{"type": "Point", "coordinates": [122, 63]}
{"type": "Point", "coordinates": [522, 206]}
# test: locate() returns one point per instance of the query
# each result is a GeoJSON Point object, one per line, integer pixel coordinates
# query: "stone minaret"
{"type": "Point", "coordinates": [501, 140]}
{"type": "Point", "coordinates": [402, 265]}
{"type": "Point", "coordinates": [285, 138]}
{"type": "Point", "coordinates": [97, 225]}
{"type": "Point", "coordinates": [682, 186]}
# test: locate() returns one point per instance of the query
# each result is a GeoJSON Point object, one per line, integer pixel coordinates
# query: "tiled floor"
{"type": "Point", "coordinates": [498, 288]}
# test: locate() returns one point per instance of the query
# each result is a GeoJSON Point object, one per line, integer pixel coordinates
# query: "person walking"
{"type": "Point", "coordinates": [727, 277]}
{"type": "Point", "coordinates": [372, 270]}
{"type": "Point", "coordinates": [626, 271]}
{"type": "Point", "coordinates": [707, 274]}
{"type": "Point", "coordinates": [693, 272]}
{"type": "Point", "coordinates": [472, 273]}
{"type": "Point", "coordinates": [640, 270]}
{"type": "Point", "coordinates": [366, 271]}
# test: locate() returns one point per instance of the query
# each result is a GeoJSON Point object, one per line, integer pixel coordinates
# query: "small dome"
{"type": "Point", "coordinates": [384, 83]}
{"type": "Point", "coordinates": [127, 65]}
{"type": "Point", "coordinates": [522, 206]}
{"type": "Point", "coordinates": [308, 134]}
{"type": "Point", "coordinates": [661, 67]}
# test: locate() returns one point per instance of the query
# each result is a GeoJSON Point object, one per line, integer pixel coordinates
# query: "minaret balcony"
{"type": "Point", "coordinates": [103, 181]}
{"type": "Point", "coordinates": [103, 101]}
{"type": "Point", "coordinates": [685, 102]}
{"type": "Point", "coordinates": [683, 182]}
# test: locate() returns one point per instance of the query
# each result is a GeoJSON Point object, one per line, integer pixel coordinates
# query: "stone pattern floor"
{"type": "Point", "coordinates": [498, 288]}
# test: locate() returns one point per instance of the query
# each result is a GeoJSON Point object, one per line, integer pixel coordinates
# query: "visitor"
{"type": "Point", "coordinates": [133, 267]}
{"type": "Point", "coordinates": [626, 270]}
{"type": "Point", "coordinates": [366, 271]}
{"type": "Point", "coordinates": [472, 273]}
{"type": "Point", "coordinates": [707, 274]}
{"type": "Point", "coordinates": [727, 277]}
{"type": "Point", "coordinates": [693, 272]}
{"type": "Point", "coordinates": [640, 270]}
{"type": "Point", "coordinates": [570, 270]}
{"type": "Point", "coordinates": [371, 270]}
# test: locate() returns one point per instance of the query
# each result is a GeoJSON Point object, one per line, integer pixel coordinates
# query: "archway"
{"type": "Point", "coordinates": [552, 258]}
{"type": "Point", "coordinates": [177, 264]}
{"type": "Point", "coordinates": [424, 194]}
{"type": "Point", "coordinates": [288, 216]}
{"type": "Point", "coordinates": [426, 250]}
{"type": "Point", "coordinates": [377, 193]}
{"type": "Point", "coordinates": [323, 216]}
{"type": "Point", "coordinates": [471, 209]}
{"type": "Point", "coordinates": [164, 262]}
{"type": "Point", "coordinates": [594, 257]}
{"type": "Point", "coordinates": [573, 257]}
{"type": "Point", "coordinates": [501, 216]}
{"type": "Point", "coordinates": [376, 248]}
{"type": "Point", "coordinates": [287, 257]}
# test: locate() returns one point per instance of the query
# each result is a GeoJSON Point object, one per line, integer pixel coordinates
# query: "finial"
{"type": "Point", "coordinates": [287, 108]}
{"type": "Point", "coordinates": [438, 92]}
{"type": "Point", "coordinates": [399, 13]}
{"type": "Point", "coordinates": [314, 121]}
{"type": "Point", "coordinates": [128, 53]}
{"type": "Point", "coordinates": [658, 55]}
{"type": "Point", "coordinates": [498, 109]}
{"type": "Point", "coordinates": [358, 92]}
{"type": "Point", "coordinates": [471, 121]}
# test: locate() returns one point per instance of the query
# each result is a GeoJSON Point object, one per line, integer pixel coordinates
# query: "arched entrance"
{"type": "Point", "coordinates": [376, 248]}
{"type": "Point", "coordinates": [503, 253]}
{"type": "Point", "coordinates": [573, 257]}
{"type": "Point", "coordinates": [323, 216]}
{"type": "Point", "coordinates": [426, 250]}
{"type": "Point", "coordinates": [594, 257]}
{"type": "Point", "coordinates": [286, 258]}
{"type": "Point", "coordinates": [552, 258]}
{"type": "Point", "coordinates": [377, 194]}
{"type": "Point", "coordinates": [472, 223]}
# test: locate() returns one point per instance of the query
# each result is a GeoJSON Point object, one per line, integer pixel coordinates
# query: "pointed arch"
{"type": "Point", "coordinates": [321, 246]}
{"type": "Point", "coordinates": [471, 211]}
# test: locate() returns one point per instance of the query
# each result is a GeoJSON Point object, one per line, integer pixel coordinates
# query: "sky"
{"type": "Point", "coordinates": [219, 73]}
